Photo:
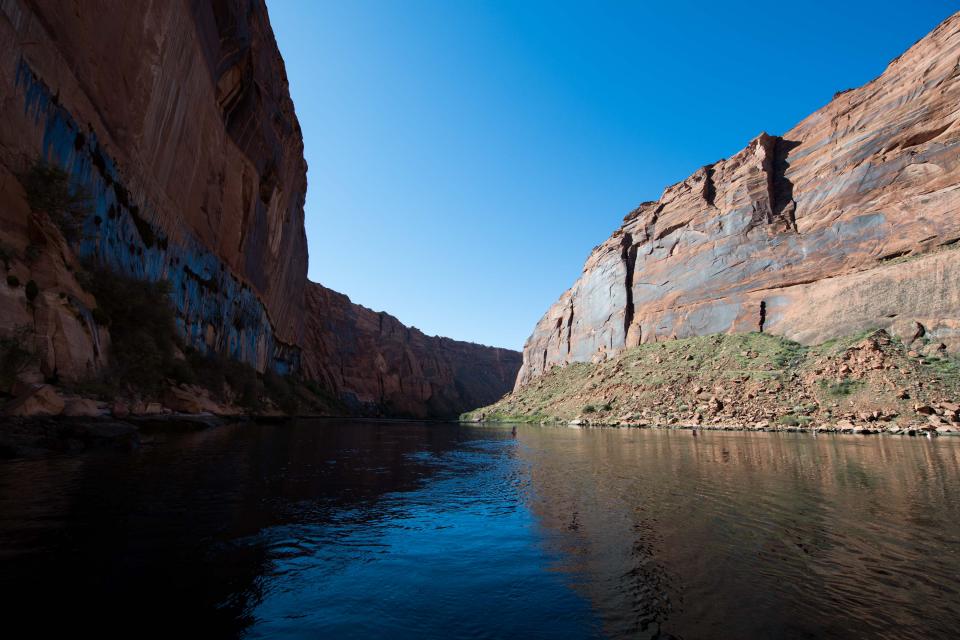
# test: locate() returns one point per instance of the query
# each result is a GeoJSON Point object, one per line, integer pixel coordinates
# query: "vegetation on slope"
{"type": "Point", "coordinates": [147, 355]}
{"type": "Point", "coordinates": [746, 380]}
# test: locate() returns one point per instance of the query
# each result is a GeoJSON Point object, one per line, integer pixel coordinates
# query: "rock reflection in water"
{"type": "Point", "coordinates": [752, 534]}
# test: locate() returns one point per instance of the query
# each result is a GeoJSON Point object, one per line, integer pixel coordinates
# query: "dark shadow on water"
{"type": "Point", "coordinates": [105, 538]}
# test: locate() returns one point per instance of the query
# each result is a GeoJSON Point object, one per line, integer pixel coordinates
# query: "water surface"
{"type": "Point", "coordinates": [350, 529]}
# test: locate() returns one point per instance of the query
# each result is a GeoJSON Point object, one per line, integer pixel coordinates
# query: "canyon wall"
{"type": "Point", "coordinates": [848, 221]}
{"type": "Point", "coordinates": [175, 119]}
{"type": "Point", "coordinates": [378, 366]}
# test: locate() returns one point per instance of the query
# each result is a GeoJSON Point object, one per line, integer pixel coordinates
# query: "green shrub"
{"type": "Point", "coordinates": [6, 255]}
{"type": "Point", "coordinates": [85, 279]}
{"type": "Point", "coordinates": [142, 328]}
{"type": "Point", "coordinates": [13, 281]}
{"type": "Point", "coordinates": [49, 190]}
{"type": "Point", "coordinates": [31, 253]}
{"type": "Point", "coordinates": [144, 343]}
{"type": "Point", "coordinates": [16, 355]}
{"type": "Point", "coordinates": [589, 409]}
{"type": "Point", "coordinates": [101, 317]}
{"type": "Point", "coordinates": [32, 290]}
{"type": "Point", "coordinates": [101, 388]}
{"type": "Point", "coordinates": [282, 391]}
{"type": "Point", "coordinates": [840, 389]}
{"type": "Point", "coordinates": [789, 420]}
{"type": "Point", "coordinates": [181, 372]}
{"type": "Point", "coordinates": [214, 371]}
{"type": "Point", "coordinates": [606, 407]}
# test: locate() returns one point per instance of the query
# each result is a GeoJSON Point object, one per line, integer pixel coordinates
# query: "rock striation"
{"type": "Point", "coordinates": [378, 366]}
{"type": "Point", "coordinates": [176, 120]}
{"type": "Point", "coordinates": [846, 222]}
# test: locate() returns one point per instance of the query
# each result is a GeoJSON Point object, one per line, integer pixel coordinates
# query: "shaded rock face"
{"type": "Point", "coordinates": [176, 117]}
{"type": "Point", "coordinates": [378, 366]}
{"type": "Point", "coordinates": [846, 222]}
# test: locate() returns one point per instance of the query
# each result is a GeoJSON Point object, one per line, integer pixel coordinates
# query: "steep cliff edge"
{"type": "Point", "coordinates": [174, 122]}
{"type": "Point", "coordinates": [846, 222]}
{"type": "Point", "coordinates": [175, 118]}
{"type": "Point", "coordinates": [378, 366]}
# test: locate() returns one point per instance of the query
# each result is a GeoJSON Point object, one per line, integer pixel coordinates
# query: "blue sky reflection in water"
{"type": "Point", "coordinates": [405, 565]}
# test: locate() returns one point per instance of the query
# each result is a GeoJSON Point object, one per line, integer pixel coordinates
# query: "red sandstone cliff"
{"type": "Point", "coordinates": [379, 366]}
{"type": "Point", "coordinates": [848, 221]}
{"type": "Point", "coordinates": [176, 118]}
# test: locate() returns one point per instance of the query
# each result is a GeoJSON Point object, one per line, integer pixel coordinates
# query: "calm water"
{"type": "Point", "coordinates": [323, 529]}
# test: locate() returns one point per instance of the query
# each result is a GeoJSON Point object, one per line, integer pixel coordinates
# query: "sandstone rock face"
{"type": "Point", "coordinates": [378, 366]}
{"type": "Point", "coordinates": [848, 221]}
{"type": "Point", "coordinates": [176, 117]}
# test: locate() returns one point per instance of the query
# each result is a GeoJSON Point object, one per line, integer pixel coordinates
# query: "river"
{"type": "Point", "coordinates": [347, 529]}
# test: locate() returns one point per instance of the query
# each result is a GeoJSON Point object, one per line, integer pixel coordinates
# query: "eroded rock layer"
{"type": "Point", "coordinates": [378, 366]}
{"type": "Point", "coordinates": [846, 222]}
{"type": "Point", "coordinates": [175, 117]}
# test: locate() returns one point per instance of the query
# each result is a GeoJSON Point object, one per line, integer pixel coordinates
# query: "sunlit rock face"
{"type": "Point", "coordinates": [177, 119]}
{"type": "Point", "coordinates": [846, 222]}
{"type": "Point", "coordinates": [378, 366]}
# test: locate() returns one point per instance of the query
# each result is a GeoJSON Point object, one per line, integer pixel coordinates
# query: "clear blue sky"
{"type": "Point", "coordinates": [465, 156]}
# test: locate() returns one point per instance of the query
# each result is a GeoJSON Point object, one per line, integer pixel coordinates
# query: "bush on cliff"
{"type": "Point", "coordinates": [16, 356]}
{"type": "Point", "coordinates": [145, 343]}
{"type": "Point", "coordinates": [49, 190]}
{"type": "Point", "coordinates": [221, 374]}
{"type": "Point", "coordinates": [143, 333]}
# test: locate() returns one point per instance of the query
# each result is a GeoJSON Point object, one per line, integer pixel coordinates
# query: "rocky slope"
{"type": "Point", "coordinates": [174, 122]}
{"type": "Point", "coordinates": [862, 384]}
{"type": "Point", "coordinates": [843, 223]}
{"type": "Point", "coordinates": [379, 366]}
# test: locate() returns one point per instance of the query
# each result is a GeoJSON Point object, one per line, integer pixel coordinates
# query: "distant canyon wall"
{"type": "Point", "coordinates": [848, 221]}
{"type": "Point", "coordinates": [379, 366]}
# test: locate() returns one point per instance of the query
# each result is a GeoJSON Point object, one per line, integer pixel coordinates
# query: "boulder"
{"type": "Point", "coordinates": [184, 400]}
{"type": "Point", "coordinates": [844, 425]}
{"type": "Point", "coordinates": [40, 400]}
{"type": "Point", "coordinates": [934, 349]}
